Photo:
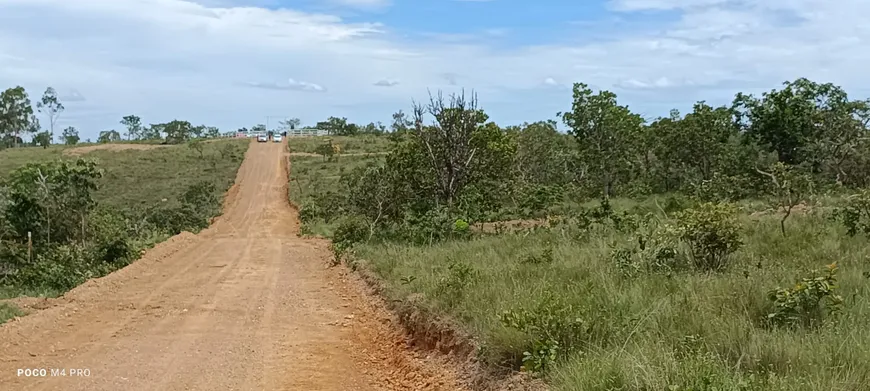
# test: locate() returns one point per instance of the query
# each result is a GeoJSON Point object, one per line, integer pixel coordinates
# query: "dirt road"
{"type": "Point", "coordinates": [244, 305]}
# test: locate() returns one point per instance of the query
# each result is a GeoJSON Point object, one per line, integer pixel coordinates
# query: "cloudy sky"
{"type": "Point", "coordinates": [233, 63]}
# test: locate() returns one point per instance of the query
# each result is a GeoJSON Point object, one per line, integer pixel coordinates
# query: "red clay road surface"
{"type": "Point", "coordinates": [244, 305]}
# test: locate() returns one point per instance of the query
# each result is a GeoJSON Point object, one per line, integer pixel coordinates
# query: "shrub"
{"type": "Point", "coordinates": [461, 229]}
{"type": "Point", "coordinates": [62, 268]}
{"type": "Point", "coordinates": [712, 233]}
{"type": "Point", "coordinates": [855, 215]}
{"type": "Point", "coordinates": [202, 197]}
{"type": "Point", "coordinates": [351, 230]}
{"type": "Point", "coordinates": [809, 302]}
{"type": "Point", "coordinates": [554, 330]}
{"type": "Point", "coordinates": [654, 248]}
{"type": "Point", "coordinates": [545, 257]}
{"type": "Point", "coordinates": [433, 226]}
{"type": "Point", "coordinates": [451, 286]}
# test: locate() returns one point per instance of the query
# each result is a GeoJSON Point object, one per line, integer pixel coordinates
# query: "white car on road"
{"type": "Point", "coordinates": [262, 138]}
{"type": "Point", "coordinates": [277, 138]}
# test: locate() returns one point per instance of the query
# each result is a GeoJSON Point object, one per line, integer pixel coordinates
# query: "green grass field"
{"type": "Point", "coordinates": [637, 330]}
{"type": "Point", "coordinates": [680, 330]}
{"type": "Point", "coordinates": [354, 145]}
{"type": "Point", "coordinates": [312, 177]}
{"type": "Point", "coordinates": [136, 180]}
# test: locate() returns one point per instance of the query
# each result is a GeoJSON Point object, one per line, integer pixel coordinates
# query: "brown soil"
{"type": "Point", "coordinates": [78, 151]}
{"type": "Point", "coordinates": [244, 305]}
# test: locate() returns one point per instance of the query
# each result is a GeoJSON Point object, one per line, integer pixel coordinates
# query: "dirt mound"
{"type": "Point", "coordinates": [78, 151]}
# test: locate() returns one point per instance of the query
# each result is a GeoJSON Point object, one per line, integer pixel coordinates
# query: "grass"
{"type": "Point", "coordinates": [12, 158]}
{"type": "Point", "coordinates": [164, 173]}
{"type": "Point", "coordinates": [684, 330]}
{"type": "Point", "coordinates": [637, 331]}
{"type": "Point", "coordinates": [356, 144]}
{"type": "Point", "coordinates": [141, 178]}
{"type": "Point", "coordinates": [312, 177]}
{"type": "Point", "coordinates": [9, 311]}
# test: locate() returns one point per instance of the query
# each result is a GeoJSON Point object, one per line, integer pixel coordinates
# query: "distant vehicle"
{"type": "Point", "coordinates": [277, 138]}
{"type": "Point", "coordinates": [262, 138]}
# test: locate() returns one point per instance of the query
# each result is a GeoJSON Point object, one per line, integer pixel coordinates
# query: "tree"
{"type": "Point", "coordinates": [788, 121]}
{"type": "Point", "coordinates": [197, 131]}
{"type": "Point", "coordinates": [448, 144]}
{"type": "Point", "coordinates": [109, 136]}
{"type": "Point", "coordinates": [291, 123]}
{"type": "Point", "coordinates": [52, 199]}
{"type": "Point", "coordinates": [212, 132]}
{"type": "Point", "coordinates": [327, 150]}
{"type": "Point", "coordinates": [153, 132]}
{"type": "Point", "coordinates": [70, 136]}
{"type": "Point", "coordinates": [371, 187]}
{"type": "Point", "coordinates": [544, 156]}
{"type": "Point", "coordinates": [178, 131]}
{"type": "Point", "coordinates": [373, 128]}
{"type": "Point", "coordinates": [16, 114]}
{"type": "Point", "coordinates": [42, 139]}
{"type": "Point", "coordinates": [401, 123]}
{"type": "Point", "coordinates": [788, 187]}
{"type": "Point", "coordinates": [691, 148]}
{"type": "Point", "coordinates": [259, 128]}
{"type": "Point", "coordinates": [51, 107]}
{"type": "Point", "coordinates": [605, 131]}
{"type": "Point", "coordinates": [338, 126]}
{"type": "Point", "coordinates": [133, 125]}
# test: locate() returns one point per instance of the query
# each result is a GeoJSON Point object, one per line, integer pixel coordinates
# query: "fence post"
{"type": "Point", "coordinates": [29, 247]}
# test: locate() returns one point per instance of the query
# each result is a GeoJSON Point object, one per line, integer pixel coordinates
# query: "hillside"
{"type": "Point", "coordinates": [130, 199]}
{"type": "Point", "coordinates": [722, 249]}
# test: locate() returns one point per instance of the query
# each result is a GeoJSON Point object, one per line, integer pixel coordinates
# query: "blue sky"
{"type": "Point", "coordinates": [232, 63]}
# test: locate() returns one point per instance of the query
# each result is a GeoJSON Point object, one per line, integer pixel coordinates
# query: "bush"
{"type": "Point", "coordinates": [712, 233]}
{"type": "Point", "coordinates": [451, 286]}
{"type": "Point", "coordinates": [61, 268]}
{"type": "Point", "coordinates": [351, 230]}
{"type": "Point", "coordinates": [654, 248]}
{"type": "Point", "coordinates": [431, 227]}
{"type": "Point", "coordinates": [809, 303]}
{"type": "Point", "coordinates": [553, 328]}
{"type": "Point", "coordinates": [202, 197]}
{"type": "Point", "coordinates": [855, 215]}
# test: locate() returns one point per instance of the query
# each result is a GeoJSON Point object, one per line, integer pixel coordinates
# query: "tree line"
{"type": "Point", "coordinates": [18, 119]}
{"type": "Point", "coordinates": [801, 139]}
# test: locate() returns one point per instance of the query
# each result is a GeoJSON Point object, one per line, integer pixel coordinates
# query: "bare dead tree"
{"type": "Point", "coordinates": [448, 142]}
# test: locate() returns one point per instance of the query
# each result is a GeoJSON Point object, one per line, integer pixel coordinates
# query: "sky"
{"type": "Point", "coordinates": [236, 63]}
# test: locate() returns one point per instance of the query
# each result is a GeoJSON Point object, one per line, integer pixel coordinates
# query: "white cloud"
{"type": "Point", "coordinates": [166, 59]}
{"type": "Point", "coordinates": [637, 5]}
{"type": "Point", "coordinates": [364, 3]}
{"type": "Point", "coordinates": [386, 83]}
{"type": "Point", "coordinates": [290, 84]}
{"type": "Point", "coordinates": [71, 95]}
